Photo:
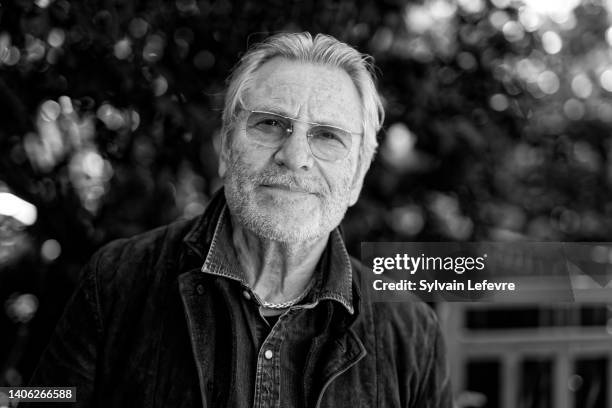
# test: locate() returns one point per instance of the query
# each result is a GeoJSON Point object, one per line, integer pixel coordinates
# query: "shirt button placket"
{"type": "Point", "coordinates": [269, 375]}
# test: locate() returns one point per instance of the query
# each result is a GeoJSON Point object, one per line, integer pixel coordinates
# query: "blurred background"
{"type": "Point", "coordinates": [499, 116]}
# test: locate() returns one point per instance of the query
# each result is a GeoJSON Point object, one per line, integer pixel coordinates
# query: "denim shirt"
{"type": "Point", "coordinates": [149, 326]}
{"type": "Point", "coordinates": [276, 357]}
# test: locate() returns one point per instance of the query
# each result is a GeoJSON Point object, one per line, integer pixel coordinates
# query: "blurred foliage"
{"type": "Point", "coordinates": [498, 115]}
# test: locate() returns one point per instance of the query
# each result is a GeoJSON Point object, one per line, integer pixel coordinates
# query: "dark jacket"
{"type": "Point", "coordinates": [141, 331]}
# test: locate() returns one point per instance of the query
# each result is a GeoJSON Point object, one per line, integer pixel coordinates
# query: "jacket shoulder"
{"type": "Point", "coordinates": [128, 275]}
{"type": "Point", "coordinates": [129, 270]}
{"type": "Point", "coordinates": [143, 252]}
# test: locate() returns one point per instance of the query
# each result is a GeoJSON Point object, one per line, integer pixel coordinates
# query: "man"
{"type": "Point", "coordinates": [256, 303]}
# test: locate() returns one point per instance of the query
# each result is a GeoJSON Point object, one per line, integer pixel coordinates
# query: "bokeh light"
{"type": "Point", "coordinates": [605, 80]}
{"type": "Point", "coordinates": [548, 82]}
{"type": "Point", "coordinates": [35, 49]}
{"type": "Point", "coordinates": [50, 250]}
{"type": "Point", "coordinates": [204, 60]}
{"type": "Point", "coordinates": [513, 31]}
{"type": "Point", "coordinates": [499, 102]}
{"type": "Point", "coordinates": [448, 217]}
{"type": "Point", "coordinates": [557, 10]}
{"type": "Point", "coordinates": [574, 109]}
{"type": "Point", "coordinates": [530, 20]}
{"type": "Point", "coordinates": [43, 3]}
{"type": "Point", "coordinates": [110, 116]}
{"type": "Point", "coordinates": [50, 111]}
{"type": "Point", "coordinates": [154, 48]}
{"type": "Point", "coordinates": [21, 308]}
{"type": "Point", "coordinates": [160, 86]}
{"type": "Point", "coordinates": [17, 208]}
{"type": "Point", "coordinates": [551, 42]}
{"type": "Point", "coordinates": [582, 86]}
{"type": "Point", "coordinates": [609, 35]}
{"type": "Point", "coordinates": [398, 146]}
{"type": "Point", "coordinates": [138, 27]}
{"type": "Point", "coordinates": [123, 48]}
{"type": "Point", "coordinates": [472, 6]}
{"type": "Point", "coordinates": [56, 37]}
{"type": "Point", "coordinates": [498, 19]}
{"type": "Point", "coordinates": [502, 4]}
{"type": "Point", "coordinates": [407, 220]}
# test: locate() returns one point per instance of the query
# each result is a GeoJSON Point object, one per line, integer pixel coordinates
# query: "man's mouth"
{"type": "Point", "coordinates": [287, 187]}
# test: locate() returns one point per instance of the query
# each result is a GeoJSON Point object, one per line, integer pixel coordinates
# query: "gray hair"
{"type": "Point", "coordinates": [323, 49]}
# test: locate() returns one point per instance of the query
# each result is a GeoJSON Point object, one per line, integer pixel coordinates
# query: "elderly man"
{"type": "Point", "coordinates": [256, 303]}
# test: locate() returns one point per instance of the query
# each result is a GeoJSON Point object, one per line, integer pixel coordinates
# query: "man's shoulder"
{"type": "Point", "coordinates": [141, 254]}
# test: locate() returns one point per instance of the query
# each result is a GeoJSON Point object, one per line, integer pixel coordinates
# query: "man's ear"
{"type": "Point", "coordinates": [224, 152]}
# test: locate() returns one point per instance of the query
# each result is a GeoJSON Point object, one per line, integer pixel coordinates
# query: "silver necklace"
{"type": "Point", "coordinates": [288, 303]}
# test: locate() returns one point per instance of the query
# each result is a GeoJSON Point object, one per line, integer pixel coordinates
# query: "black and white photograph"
{"type": "Point", "coordinates": [306, 204]}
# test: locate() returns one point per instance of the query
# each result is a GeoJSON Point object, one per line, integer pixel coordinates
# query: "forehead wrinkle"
{"type": "Point", "coordinates": [275, 98]}
{"type": "Point", "coordinates": [317, 93]}
{"type": "Point", "coordinates": [340, 115]}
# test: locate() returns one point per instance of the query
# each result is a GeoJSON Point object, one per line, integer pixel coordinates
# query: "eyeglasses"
{"type": "Point", "coordinates": [326, 142]}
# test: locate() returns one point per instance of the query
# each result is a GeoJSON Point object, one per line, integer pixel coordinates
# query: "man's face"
{"type": "Point", "coordinates": [285, 193]}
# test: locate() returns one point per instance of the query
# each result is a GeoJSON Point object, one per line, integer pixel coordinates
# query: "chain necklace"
{"type": "Point", "coordinates": [288, 303]}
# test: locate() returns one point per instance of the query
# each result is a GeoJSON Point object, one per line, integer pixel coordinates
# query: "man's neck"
{"type": "Point", "coordinates": [276, 271]}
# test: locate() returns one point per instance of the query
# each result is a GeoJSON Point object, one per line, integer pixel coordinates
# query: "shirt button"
{"type": "Point", "coordinates": [246, 295]}
{"type": "Point", "coordinates": [200, 289]}
{"type": "Point", "coordinates": [268, 354]}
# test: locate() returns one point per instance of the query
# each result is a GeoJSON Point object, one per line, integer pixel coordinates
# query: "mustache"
{"type": "Point", "coordinates": [308, 184]}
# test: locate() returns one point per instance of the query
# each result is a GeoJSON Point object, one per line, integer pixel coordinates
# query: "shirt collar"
{"type": "Point", "coordinates": [334, 273]}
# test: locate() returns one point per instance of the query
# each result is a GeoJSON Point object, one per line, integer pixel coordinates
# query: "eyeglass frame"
{"type": "Point", "coordinates": [289, 131]}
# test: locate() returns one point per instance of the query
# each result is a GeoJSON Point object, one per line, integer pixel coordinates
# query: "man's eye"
{"type": "Point", "coordinates": [328, 135]}
{"type": "Point", "coordinates": [270, 122]}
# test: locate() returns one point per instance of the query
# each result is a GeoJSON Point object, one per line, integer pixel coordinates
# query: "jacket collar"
{"type": "Point", "coordinates": [210, 239]}
{"type": "Point", "coordinates": [200, 236]}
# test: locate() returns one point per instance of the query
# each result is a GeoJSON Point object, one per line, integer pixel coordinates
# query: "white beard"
{"type": "Point", "coordinates": [283, 216]}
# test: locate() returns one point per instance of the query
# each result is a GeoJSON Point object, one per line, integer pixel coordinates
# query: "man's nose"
{"type": "Point", "coordinates": [295, 153]}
